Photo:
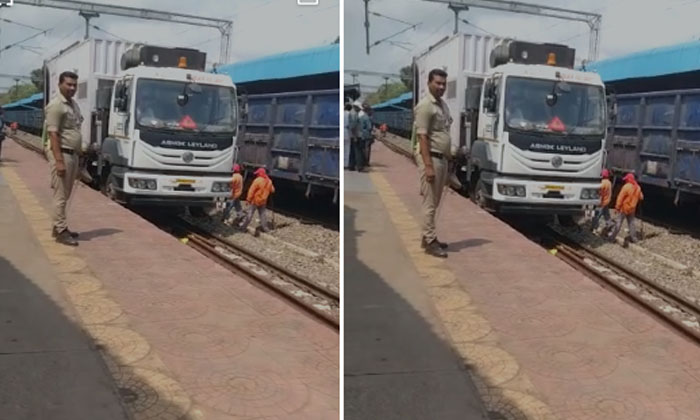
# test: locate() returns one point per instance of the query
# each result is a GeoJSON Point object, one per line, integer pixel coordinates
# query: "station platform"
{"type": "Point", "coordinates": [179, 336]}
{"type": "Point", "coordinates": [535, 338]}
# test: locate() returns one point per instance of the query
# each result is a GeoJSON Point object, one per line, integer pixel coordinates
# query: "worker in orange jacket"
{"type": "Point", "coordinates": [626, 206]}
{"type": "Point", "coordinates": [234, 202]}
{"type": "Point", "coordinates": [605, 199]}
{"type": "Point", "coordinates": [259, 191]}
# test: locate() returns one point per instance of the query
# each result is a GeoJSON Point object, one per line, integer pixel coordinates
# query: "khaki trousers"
{"type": "Point", "coordinates": [62, 188]}
{"type": "Point", "coordinates": [431, 194]}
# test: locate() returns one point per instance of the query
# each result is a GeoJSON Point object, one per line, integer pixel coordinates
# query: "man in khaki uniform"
{"type": "Point", "coordinates": [433, 152]}
{"type": "Point", "coordinates": [63, 121]}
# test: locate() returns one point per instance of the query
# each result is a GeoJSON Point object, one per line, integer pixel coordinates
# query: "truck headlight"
{"type": "Point", "coordinates": [590, 194]}
{"type": "Point", "coordinates": [143, 183]}
{"type": "Point", "coordinates": [512, 190]}
{"type": "Point", "coordinates": [221, 187]}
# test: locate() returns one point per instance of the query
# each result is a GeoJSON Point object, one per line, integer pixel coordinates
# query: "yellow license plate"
{"type": "Point", "coordinates": [554, 187]}
{"type": "Point", "coordinates": [184, 181]}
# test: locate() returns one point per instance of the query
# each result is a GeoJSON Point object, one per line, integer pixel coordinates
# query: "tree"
{"type": "Point", "coordinates": [18, 92]}
{"type": "Point", "coordinates": [384, 93]}
{"type": "Point", "coordinates": [37, 76]}
{"type": "Point", "coordinates": [406, 75]}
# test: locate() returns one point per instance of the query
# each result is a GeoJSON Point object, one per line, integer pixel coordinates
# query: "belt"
{"type": "Point", "coordinates": [437, 155]}
{"type": "Point", "coordinates": [68, 151]}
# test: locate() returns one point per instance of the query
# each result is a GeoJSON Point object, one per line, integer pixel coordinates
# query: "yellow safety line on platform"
{"type": "Point", "coordinates": [148, 388]}
{"type": "Point", "coordinates": [504, 388]}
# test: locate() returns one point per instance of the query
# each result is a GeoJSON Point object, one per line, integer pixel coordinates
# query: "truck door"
{"type": "Point", "coordinates": [490, 107]}
{"type": "Point", "coordinates": [120, 107]}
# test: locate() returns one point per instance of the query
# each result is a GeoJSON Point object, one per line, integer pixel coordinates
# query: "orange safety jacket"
{"type": "Point", "coordinates": [259, 191]}
{"type": "Point", "coordinates": [605, 193]}
{"type": "Point", "coordinates": [236, 186]}
{"type": "Point", "coordinates": [629, 197]}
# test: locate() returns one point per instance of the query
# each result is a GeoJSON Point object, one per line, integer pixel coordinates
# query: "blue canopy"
{"type": "Point", "coordinates": [319, 60]}
{"type": "Point", "coordinates": [408, 96]}
{"type": "Point", "coordinates": [25, 102]}
{"type": "Point", "coordinates": [678, 58]}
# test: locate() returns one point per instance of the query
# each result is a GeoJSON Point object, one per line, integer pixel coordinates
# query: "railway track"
{"type": "Point", "coordinates": [315, 299]}
{"type": "Point", "coordinates": [302, 292]}
{"type": "Point", "coordinates": [665, 304]}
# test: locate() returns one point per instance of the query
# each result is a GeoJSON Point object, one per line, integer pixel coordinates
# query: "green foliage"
{"type": "Point", "coordinates": [384, 93]}
{"type": "Point", "coordinates": [37, 76]}
{"type": "Point", "coordinates": [20, 91]}
{"type": "Point", "coordinates": [406, 74]}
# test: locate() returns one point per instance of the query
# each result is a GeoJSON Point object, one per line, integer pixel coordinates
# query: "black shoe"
{"type": "Point", "coordinates": [435, 250]}
{"type": "Point", "coordinates": [54, 233]}
{"type": "Point", "coordinates": [424, 244]}
{"type": "Point", "coordinates": [65, 238]}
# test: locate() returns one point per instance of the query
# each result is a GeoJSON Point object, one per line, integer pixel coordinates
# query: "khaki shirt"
{"type": "Point", "coordinates": [432, 118]}
{"type": "Point", "coordinates": [64, 117]}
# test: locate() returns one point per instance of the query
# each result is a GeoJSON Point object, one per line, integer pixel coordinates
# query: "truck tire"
{"type": "Point", "coordinates": [478, 193]}
{"type": "Point", "coordinates": [109, 186]}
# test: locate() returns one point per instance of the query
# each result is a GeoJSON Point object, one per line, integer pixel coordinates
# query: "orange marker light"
{"type": "Point", "coordinates": [551, 59]}
{"type": "Point", "coordinates": [183, 63]}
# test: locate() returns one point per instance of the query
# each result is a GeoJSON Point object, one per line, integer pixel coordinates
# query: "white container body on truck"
{"type": "Point", "coordinates": [528, 137]}
{"type": "Point", "coordinates": [465, 59]}
{"type": "Point", "coordinates": [163, 131]}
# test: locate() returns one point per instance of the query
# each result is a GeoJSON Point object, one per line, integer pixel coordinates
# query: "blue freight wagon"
{"type": "Point", "coordinates": [657, 136]}
{"type": "Point", "coordinates": [296, 135]}
{"type": "Point", "coordinates": [28, 113]}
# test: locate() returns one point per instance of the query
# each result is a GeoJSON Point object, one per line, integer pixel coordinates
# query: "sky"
{"type": "Point", "coordinates": [627, 26]}
{"type": "Point", "coordinates": [260, 27]}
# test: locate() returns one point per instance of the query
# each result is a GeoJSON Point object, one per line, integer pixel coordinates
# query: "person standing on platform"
{"type": "Point", "coordinates": [259, 191]}
{"type": "Point", "coordinates": [2, 129]}
{"type": "Point", "coordinates": [63, 122]}
{"type": "Point", "coordinates": [234, 202]}
{"type": "Point", "coordinates": [433, 153]}
{"type": "Point", "coordinates": [627, 200]}
{"type": "Point", "coordinates": [347, 141]}
{"type": "Point", "coordinates": [605, 199]}
{"type": "Point", "coordinates": [357, 137]}
{"type": "Point", "coordinates": [369, 135]}
{"type": "Point", "coordinates": [365, 133]}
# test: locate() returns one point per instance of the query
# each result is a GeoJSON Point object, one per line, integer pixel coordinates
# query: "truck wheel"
{"type": "Point", "coordinates": [567, 220]}
{"type": "Point", "coordinates": [198, 211]}
{"type": "Point", "coordinates": [478, 194]}
{"type": "Point", "coordinates": [109, 187]}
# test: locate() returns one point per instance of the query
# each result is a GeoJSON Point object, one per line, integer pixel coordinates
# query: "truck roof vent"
{"type": "Point", "coordinates": [164, 57]}
{"type": "Point", "coordinates": [531, 53]}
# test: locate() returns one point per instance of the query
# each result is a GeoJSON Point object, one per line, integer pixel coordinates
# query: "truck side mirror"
{"type": "Point", "coordinates": [119, 104]}
{"type": "Point", "coordinates": [473, 96]}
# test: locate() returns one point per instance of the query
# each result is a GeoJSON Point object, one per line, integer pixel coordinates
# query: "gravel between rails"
{"type": "Point", "coordinates": [314, 238]}
{"type": "Point", "coordinates": [657, 239]}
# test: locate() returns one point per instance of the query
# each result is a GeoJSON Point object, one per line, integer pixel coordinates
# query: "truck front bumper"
{"type": "Point", "coordinates": [510, 195]}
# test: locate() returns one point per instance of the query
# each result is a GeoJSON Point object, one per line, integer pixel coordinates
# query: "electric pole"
{"type": "Point", "coordinates": [367, 25]}
{"type": "Point", "coordinates": [87, 16]}
{"type": "Point", "coordinates": [456, 8]}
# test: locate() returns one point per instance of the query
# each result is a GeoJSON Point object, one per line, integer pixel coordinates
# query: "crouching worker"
{"type": "Point", "coordinates": [626, 205]}
{"type": "Point", "coordinates": [234, 202]}
{"type": "Point", "coordinates": [259, 191]}
{"type": "Point", "coordinates": [605, 199]}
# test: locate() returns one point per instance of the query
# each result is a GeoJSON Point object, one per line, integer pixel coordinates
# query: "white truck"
{"type": "Point", "coordinates": [528, 129]}
{"type": "Point", "coordinates": [157, 128]}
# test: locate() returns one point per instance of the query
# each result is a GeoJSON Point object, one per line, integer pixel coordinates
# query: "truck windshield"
{"type": "Point", "coordinates": [581, 110]}
{"type": "Point", "coordinates": [213, 110]}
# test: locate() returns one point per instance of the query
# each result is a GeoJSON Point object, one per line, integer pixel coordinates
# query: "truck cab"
{"type": "Point", "coordinates": [535, 133]}
{"type": "Point", "coordinates": [170, 130]}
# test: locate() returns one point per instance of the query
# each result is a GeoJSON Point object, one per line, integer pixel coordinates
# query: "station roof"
{"type": "Point", "coordinates": [672, 59]}
{"type": "Point", "coordinates": [308, 62]}
{"type": "Point", "coordinates": [408, 96]}
{"type": "Point", "coordinates": [26, 101]}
